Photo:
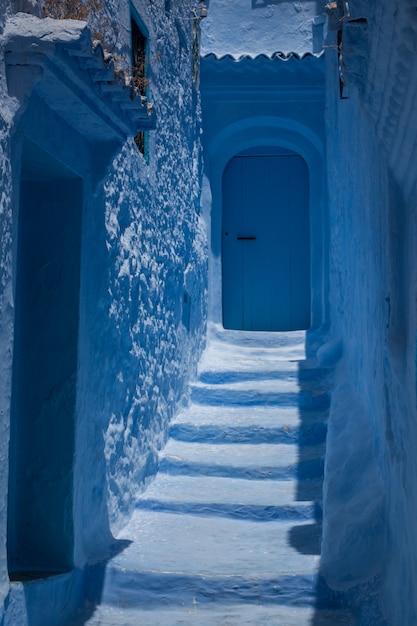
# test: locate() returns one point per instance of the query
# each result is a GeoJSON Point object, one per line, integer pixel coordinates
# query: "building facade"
{"type": "Point", "coordinates": [103, 277]}
{"type": "Point", "coordinates": [118, 246]}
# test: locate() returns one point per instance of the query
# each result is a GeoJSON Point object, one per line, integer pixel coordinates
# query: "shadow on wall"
{"type": "Point", "coordinates": [68, 599]}
{"type": "Point", "coordinates": [360, 603]}
{"type": "Point", "coordinates": [93, 584]}
{"type": "Point", "coordinates": [314, 404]}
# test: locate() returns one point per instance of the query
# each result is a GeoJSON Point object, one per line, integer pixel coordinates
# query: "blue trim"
{"type": "Point", "coordinates": [135, 16]}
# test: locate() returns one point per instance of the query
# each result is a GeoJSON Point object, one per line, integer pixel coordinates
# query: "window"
{"type": "Point", "coordinates": [139, 50]}
{"type": "Point", "coordinates": [140, 78]}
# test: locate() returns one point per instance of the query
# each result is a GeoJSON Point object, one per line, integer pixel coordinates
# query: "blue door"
{"type": "Point", "coordinates": [266, 243]}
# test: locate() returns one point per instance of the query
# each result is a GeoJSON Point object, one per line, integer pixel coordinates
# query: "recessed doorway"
{"type": "Point", "coordinates": [40, 508]}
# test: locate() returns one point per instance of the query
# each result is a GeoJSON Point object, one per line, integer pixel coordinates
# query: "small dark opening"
{"type": "Point", "coordinates": [196, 50]}
{"type": "Point", "coordinates": [139, 45]}
{"type": "Point", "coordinates": [140, 79]}
{"type": "Point", "coordinates": [40, 538]}
{"type": "Point", "coordinates": [186, 310]}
{"type": "Point", "coordinates": [140, 138]}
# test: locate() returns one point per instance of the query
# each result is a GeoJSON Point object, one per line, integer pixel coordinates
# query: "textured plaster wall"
{"type": "Point", "coordinates": [143, 246]}
{"type": "Point", "coordinates": [142, 354]}
{"type": "Point", "coordinates": [253, 27]}
{"type": "Point", "coordinates": [370, 489]}
{"type": "Point", "coordinates": [355, 522]}
{"type": "Point", "coordinates": [149, 246]}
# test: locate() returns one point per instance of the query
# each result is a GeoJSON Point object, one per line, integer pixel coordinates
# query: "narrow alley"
{"type": "Point", "coordinates": [229, 532]}
{"type": "Point", "coordinates": [208, 320]}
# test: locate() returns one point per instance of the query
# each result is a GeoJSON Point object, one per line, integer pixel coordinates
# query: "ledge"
{"type": "Point", "coordinates": [57, 60]}
{"type": "Point", "coordinates": [275, 72]}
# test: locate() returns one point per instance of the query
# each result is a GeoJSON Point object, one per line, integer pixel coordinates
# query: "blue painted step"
{"type": "Point", "coordinates": [214, 395]}
{"type": "Point", "coordinates": [250, 461]}
{"type": "Point", "coordinates": [308, 434]}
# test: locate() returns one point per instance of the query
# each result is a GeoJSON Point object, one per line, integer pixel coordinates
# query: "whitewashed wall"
{"type": "Point", "coordinates": [370, 537]}
{"type": "Point", "coordinates": [147, 246]}
{"type": "Point", "coordinates": [253, 27]}
{"type": "Point", "coordinates": [143, 247]}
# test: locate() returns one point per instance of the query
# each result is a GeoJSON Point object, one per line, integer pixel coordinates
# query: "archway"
{"type": "Point", "coordinates": [281, 134]}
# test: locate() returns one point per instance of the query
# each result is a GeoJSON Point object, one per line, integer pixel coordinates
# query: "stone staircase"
{"type": "Point", "coordinates": [229, 532]}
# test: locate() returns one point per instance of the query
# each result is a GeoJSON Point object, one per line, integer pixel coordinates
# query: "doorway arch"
{"type": "Point", "coordinates": [276, 133]}
{"type": "Point", "coordinates": [266, 241]}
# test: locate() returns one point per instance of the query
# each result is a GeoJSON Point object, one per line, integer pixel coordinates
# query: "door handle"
{"type": "Point", "coordinates": [246, 238]}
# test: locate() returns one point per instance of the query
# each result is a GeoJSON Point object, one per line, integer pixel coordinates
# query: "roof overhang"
{"type": "Point", "coordinates": [57, 61]}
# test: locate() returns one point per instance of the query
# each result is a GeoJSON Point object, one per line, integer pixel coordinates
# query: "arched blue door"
{"type": "Point", "coordinates": [266, 242]}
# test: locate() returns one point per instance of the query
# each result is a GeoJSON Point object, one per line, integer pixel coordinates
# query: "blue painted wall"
{"type": "Point", "coordinates": [265, 102]}
{"type": "Point", "coordinates": [258, 27]}
{"type": "Point", "coordinates": [117, 358]}
{"type": "Point", "coordinates": [370, 488]}
{"type": "Point", "coordinates": [143, 245]}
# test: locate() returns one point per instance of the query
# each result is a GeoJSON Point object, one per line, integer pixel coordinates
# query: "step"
{"type": "Point", "coordinates": [286, 340]}
{"type": "Point", "coordinates": [263, 382]}
{"type": "Point", "coordinates": [250, 461]}
{"type": "Point", "coordinates": [304, 435]}
{"type": "Point", "coordinates": [224, 615]}
{"type": "Point", "coordinates": [214, 552]}
{"type": "Point", "coordinates": [265, 393]}
{"type": "Point", "coordinates": [248, 417]}
{"type": "Point", "coordinates": [223, 358]}
{"type": "Point", "coordinates": [255, 425]}
{"type": "Point", "coordinates": [226, 429]}
{"type": "Point", "coordinates": [231, 498]}
{"type": "Point", "coordinates": [284, 384]}
{"type": "Point", "coordinates": [220, 490]}
{"type": "Point", "coordinates": [128, 588]}
{"type": "Point", "coordinates": [229, 532]}
{"type": "Point", "coordinates": [253, 512]}
{"type": "Point", "coordinates": [251, 370]}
